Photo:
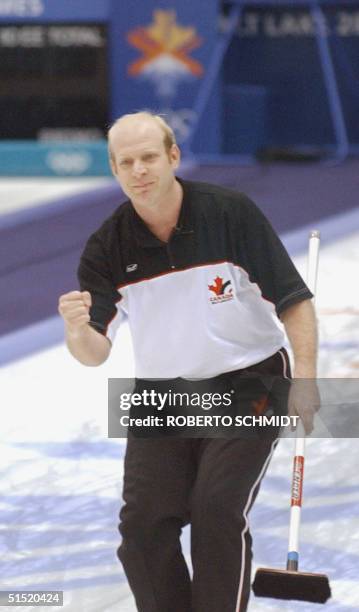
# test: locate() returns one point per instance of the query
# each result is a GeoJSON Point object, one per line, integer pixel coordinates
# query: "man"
{"type": "Point", "coordinates": [203, 279]}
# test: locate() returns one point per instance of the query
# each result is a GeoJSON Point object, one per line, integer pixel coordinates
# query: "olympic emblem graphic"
{"type": "Point", "coordinates": [165, 46]}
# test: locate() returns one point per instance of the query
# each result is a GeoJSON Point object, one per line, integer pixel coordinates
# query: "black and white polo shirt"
{"type": "Point", "coordinates": [206, 302]}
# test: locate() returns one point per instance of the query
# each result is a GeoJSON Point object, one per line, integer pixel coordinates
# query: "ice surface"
{"type": "Point", "coordinates": [62, 477]}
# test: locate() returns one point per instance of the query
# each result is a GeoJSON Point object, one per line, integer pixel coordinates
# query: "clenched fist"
{"type": "Point", "coordinates": [74, 307]}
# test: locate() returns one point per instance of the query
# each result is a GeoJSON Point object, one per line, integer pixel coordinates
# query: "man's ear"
{"type": "Point", "coordinates": [113, 166]}
{"type": "Point", "coordinates": [175, 155]}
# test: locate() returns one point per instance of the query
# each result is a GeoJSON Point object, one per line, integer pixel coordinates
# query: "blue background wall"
{"type": "Point", "coordinates": [269, 90]}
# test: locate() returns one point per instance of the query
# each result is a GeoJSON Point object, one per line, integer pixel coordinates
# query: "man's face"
{"type": "Point", "coordinates": [141, 164]}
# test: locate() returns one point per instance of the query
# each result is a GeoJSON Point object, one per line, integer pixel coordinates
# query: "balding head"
{"type": "Point", "coordinates": [139, 123]}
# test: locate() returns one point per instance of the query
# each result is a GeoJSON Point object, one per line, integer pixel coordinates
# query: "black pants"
{"type": "Point", "coordinates": [209, 483]}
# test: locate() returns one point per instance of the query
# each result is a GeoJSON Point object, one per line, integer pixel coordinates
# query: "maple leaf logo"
{"type": "Point", "coordinates": [219, 287]}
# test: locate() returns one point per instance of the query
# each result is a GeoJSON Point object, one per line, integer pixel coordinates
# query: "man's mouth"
{"type": "Point", "coordinates": [142, 186]}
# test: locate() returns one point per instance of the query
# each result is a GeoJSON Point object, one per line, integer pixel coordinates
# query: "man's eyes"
{"type": "Point", "coordinates": [126, 163]}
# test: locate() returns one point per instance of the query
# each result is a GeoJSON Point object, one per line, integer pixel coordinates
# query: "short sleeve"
{"type": "Point", "coordinates": [269, 263]}
{"type": "Point", "coordinates": [94, 275]}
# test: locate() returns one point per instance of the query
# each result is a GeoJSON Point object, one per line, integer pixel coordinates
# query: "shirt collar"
{"type": "Point", "coordinates": [143, 234]}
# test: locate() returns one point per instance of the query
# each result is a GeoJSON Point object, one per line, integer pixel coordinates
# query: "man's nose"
{"type": "Point", "coordinates": [139, 167]}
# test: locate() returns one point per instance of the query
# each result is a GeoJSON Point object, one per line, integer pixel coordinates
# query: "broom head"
{"type": "Point", "coordinates": [285, 584]}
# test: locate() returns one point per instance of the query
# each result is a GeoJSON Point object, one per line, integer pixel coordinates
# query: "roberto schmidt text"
{"type": "Point", "coordinates": [209, 421]}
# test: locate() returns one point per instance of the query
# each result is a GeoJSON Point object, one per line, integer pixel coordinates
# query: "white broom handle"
{"type": "Point", "coordinates": [298, 463]}
{"type": "Point", "coordinates": [312, 263]}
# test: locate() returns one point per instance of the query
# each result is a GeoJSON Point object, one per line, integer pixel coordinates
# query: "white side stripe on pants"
{"type": "Point", "coordinates": [249, 501]}
{"type": "Point", "coordinates": [246, 526]}
{"type": "Point", "coordinates": [284, 365]}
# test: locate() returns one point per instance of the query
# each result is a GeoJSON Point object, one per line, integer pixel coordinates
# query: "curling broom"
{"type": "Point", "coordinates": [290, 584]}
